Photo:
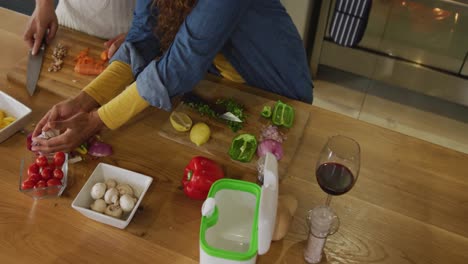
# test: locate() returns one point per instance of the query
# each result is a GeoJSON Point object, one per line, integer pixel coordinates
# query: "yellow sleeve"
{"type": "Point", "coordinates": [122, 108]}
{"type": "Point", "coordinates": [111, 82]}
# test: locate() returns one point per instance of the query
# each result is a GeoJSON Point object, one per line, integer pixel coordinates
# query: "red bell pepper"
{"type": "Point", "coordinates": [199, 175]}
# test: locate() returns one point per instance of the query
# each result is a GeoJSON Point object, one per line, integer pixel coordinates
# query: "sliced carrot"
{"type": "Point", "coordinates": [87, 65]}
{"type": "Point", "coordinates": [89, 68]}
{"type": "Point", "coordinates": [82, 54]}
{"type": "Point", "coordinates": [104, 55]}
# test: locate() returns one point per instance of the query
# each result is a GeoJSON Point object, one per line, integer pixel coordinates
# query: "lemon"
{"type": "Point", "coordinates": [180, 121]}
{"type": "Point", "coordinates": [200, 134]}
{"type": "Point", "coordinates": [9, 119]}
{"type": "Point", "coordinates": [2, 114]}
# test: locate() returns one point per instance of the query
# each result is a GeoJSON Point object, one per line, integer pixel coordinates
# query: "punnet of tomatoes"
{"type": "Point", "coordinates": [44, 176]}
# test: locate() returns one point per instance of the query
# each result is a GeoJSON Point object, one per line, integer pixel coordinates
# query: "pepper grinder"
{"type": "Point", "coordinates": [322, 222]}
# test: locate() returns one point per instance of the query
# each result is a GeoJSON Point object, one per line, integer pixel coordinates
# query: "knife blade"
{"type": "Point", "coordinates": [34, 69]}
{"type": "Point", "coordinates": [218, 109]}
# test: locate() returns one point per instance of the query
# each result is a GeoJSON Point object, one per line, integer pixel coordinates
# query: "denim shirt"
{"type": "Point", "coordinates": [257, 37]}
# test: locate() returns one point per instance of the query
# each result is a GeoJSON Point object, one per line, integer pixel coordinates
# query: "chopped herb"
{"type": "Point", "coordinates": [236, 109]}
{"type": "Point", "coordinates": [229, 104]}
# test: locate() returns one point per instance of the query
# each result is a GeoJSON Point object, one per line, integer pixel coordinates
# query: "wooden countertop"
{"type": "Point", "coordinates": [409, 205]}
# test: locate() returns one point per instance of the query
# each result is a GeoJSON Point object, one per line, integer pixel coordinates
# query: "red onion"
{"type": "Point", "coordinates": [270, 145]}
{"type": "Point", "coordinates": [29, 141]}
{"type": "Point", "coordinates": [272, 132]}
{"type": "Point", "coordinates": [99, 149]}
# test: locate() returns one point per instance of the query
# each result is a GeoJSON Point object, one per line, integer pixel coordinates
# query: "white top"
{"type": "Point", "coordinates": [100, 18]}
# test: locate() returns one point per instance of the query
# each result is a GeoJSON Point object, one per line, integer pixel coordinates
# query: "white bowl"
{"type": "Point", "coordinates": [139, 182]}
{"type": "Point", "coordinates": [15, 109]}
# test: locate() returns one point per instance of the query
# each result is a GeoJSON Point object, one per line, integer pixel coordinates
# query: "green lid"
{"type": "Point", "coordinates": [210, 221]}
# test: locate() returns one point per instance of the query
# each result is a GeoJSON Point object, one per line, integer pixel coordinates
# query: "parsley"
{"type": "Point", "coordinates": [229, 104]}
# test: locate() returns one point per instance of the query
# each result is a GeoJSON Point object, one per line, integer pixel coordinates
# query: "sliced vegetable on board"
{"type": "Point", "coordinates": [270, 145]}
{"type": "Point", "coordinates": [199, 175]}
{"type": "Point", "coordinates": [243, 147]}
{"type": "Point", "coordinates": [283, 114]}
{"type": "Point", "coordinates": [180, 121]}
{"type": "Point", "coordinates": [272, 132]}
{"type": "Point", "coordinates": [214, 110]}
{"type": "Point", "coordinates": [87, 65]}
{"type": "Point", "coordinates": [266, 111]}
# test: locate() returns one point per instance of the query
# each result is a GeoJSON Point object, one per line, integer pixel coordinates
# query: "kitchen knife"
{"type": "Point", "coordinates": [219, 110]}
{"type": "Point", "coordinates": [34, 68]}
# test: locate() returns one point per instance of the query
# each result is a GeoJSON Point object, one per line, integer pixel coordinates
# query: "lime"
{"type": "Point", "coordinates": [180, 121]}
{"type": "Point", "coordinates": [200, 134]}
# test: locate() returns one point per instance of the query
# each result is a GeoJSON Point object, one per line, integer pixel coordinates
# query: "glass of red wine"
{"type": "Point", "coordinates": [338, 166]}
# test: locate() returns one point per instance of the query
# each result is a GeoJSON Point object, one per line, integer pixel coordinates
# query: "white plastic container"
{"type": "Point", "coordinates": [139, 183]}
{"type": "Point", "coordinates": [239, 218]}
{"type": "Point", "coordinates": [15, 109]}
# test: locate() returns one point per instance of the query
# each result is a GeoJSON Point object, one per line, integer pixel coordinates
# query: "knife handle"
{"type": "Point", "coordinates": [191, 97]}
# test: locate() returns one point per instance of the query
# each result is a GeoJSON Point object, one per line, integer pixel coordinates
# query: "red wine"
{"type": "Point", "coordinates": [334, 178]}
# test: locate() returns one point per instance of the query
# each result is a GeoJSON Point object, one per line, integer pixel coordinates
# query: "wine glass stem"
{"type": "Point", "coordinates": [329, 197]}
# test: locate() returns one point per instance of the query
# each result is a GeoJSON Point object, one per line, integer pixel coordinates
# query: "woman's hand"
{"type": "Point", "coordinates": [77, 129]}
{"type": "Point", "coordinates": [64, 110]}
{"type": "Point", "coordinates": [113, 44]}
{"type": "Point", "coordinates": [60, 111]}
{"type": "Point", "coordinates": [43, 22]}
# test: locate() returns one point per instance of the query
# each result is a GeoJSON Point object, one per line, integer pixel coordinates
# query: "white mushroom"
{"type": "Point", "coordinates": [49, 133]}
{"type": "Point", "coordinates": [125, 189]}
{"type": "Point", "coordinates": [98, 190]}
{"type": "Point", "coordinates": [99, 206]}
{"type": "Point", "coordinates": [127, 202]}
{"type": "Point", "coordinates": [110, 183]}
{"type": "Point", "coordinates": [112, 196]}
{"type": "Point", "coordinates": [114, 210]}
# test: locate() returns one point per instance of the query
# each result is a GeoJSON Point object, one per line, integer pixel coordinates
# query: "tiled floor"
{"type": "Point", "coordinates": [398, 109]}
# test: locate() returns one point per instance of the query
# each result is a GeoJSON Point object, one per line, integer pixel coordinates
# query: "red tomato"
{"type": "Point", "coordinates": [33, 169]}
{"type": "Point", "coordinates": [58, 173]}
{"type": "Point", "coordinates": [54, 182]}
{"type": "Point", "coordinates": [35, 177]}
{"type": "Point", "coordinates": [41, 161]}
{"type": "Point", "coordinates": [40, 184]}
{"type": "Point", "coordinates": [27, 184]}
{"type": "Point", "coordinates": [51, 166]}
{"type": "Point", "coordinates": [46, 173]}
{"type": "Point", "coordinates": [59, 159]}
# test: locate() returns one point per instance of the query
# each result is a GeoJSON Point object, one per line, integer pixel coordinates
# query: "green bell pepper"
{"type": "Point", "coordinates": [266, 111]}
{"type": "Point", "coordinates": [283, 115]}
{"type": "Point", "coordinates": [243, 147]}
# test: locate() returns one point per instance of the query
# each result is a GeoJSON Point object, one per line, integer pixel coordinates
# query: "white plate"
{"type": "Point", "coordinates": [139, 182]}
{"type": "Point", "coordinates": [15, 109]}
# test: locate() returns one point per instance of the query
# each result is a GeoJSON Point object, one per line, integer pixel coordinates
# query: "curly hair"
{"type": "Point", "coordinates": [172, 14]}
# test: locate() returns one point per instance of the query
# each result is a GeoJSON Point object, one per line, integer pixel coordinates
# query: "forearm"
{"type": "Point", "coordinates": [122, 108]}
{"type": "Point", "coordinates": [111, 82]}
{"type": "Point", "coordinates": [201, 36]}
{"type": "Point", "coordinates": [85, 102]}
{"type": "Point", "coordinates": [44, 3]}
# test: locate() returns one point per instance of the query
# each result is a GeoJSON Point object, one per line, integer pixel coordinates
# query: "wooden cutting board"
{"type": "Point", "coordinates": [221, 134]}
{"type": "Point", "coordinates": [65, 82]}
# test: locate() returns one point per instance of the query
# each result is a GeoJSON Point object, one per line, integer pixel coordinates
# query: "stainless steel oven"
{"type": "Point", "coordinates": [420, 45]}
